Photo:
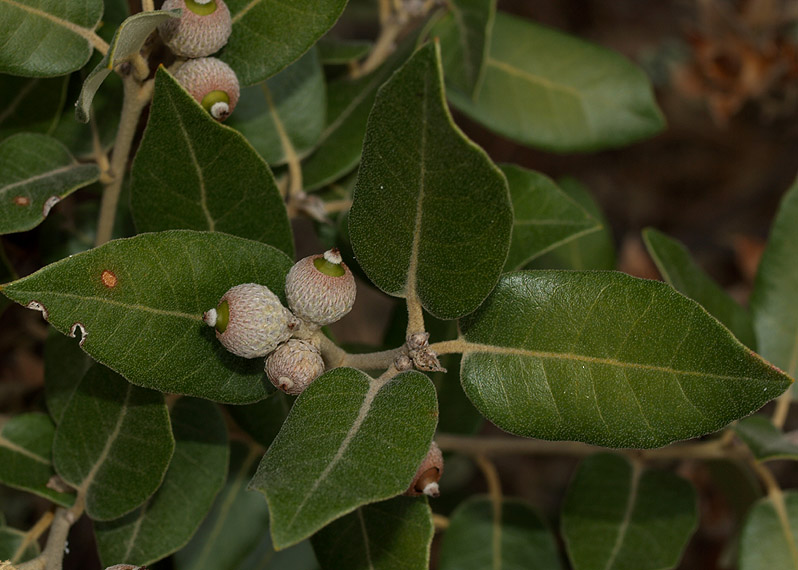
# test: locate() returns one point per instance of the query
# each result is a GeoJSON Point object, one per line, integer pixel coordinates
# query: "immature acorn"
{"type": "Point", "coordinates": [428, 474]}
{"type": "Point", "coordinates": [202, 29]}
{"type": "Point", "coordinates": [294, 365]}
{"type": "Point", "coordinates": [320, 289]}
{"type": "Point", "coordinates": [211, 82]}
{"type": "Point", "coordinates": [250, 321]}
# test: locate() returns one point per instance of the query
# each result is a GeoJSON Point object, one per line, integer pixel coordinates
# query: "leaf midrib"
{"type": "Point", "coordinates": [49, 174]}
{"type": "Point", "coordinates": [85, 33]}
{"type": "Point", "coordinates": [627, 516]}
{"type": "Point", "coordinates": [16, 448]}
{"type": "Point", "coordinates": [536, 79]}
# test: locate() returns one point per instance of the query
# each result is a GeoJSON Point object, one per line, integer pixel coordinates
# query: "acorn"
{"type": "Point", "coordinates": [294, 365]}
{"type": "Point", "coordinates": [250, 321]}
{"type": "Point", "coordinates": [211, 82]}
{"type": "Point", "coordinates": [320, 288]}
{"type": "Point", "coordinates": [201, 30]}
{"type": "Point", "coordinates": [425, 482]}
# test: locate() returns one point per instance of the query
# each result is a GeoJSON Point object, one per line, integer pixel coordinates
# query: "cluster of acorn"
{"type": "Point", "coordinates": [202, 29]}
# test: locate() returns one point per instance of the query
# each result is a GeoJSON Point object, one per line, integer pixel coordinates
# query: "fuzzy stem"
{"type": "Point", "coordinates": [335, 357]}
{"type": "Point", "coordinates": [33, 534]}
{"type": "Point", "coordinates": [456, 346]}
{"type": "Point", "coordinates": [147, 5]}
{"type": "Point", "coordinates": [52, 558]}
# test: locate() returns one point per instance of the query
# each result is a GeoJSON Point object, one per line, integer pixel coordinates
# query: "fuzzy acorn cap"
{"type": "Point", "coordinates": [211, 82]}
{"type": "Point", "coordinates": [425, 482]}
{"type": "Point", "coordinates": [250, 321]}
{"type": "Point", "coordinates": [320, 288]}
{"type": "Point", "coordinates": [202, 29]}
{"type": "Point", "coordinates": [294, 365]}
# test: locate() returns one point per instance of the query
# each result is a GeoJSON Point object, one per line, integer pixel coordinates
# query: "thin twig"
{"type": "Point", "coordinates": [33, 534]}
{"type": "Point", "coordinates": [147, 5]}
{"type": "Point", "coordinates": [495, 492]}
{"type": "Point", "coordinates": [441, 522]}
{"type": "Point", "coordinates": [776, 496]}
{"type": "Point", "coordinates": [782, 408]}
{"type": "Point", "coordinates": [52, 558]}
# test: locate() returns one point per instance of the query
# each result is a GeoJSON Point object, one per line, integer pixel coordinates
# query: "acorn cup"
{"type": "Point", "coordinates": [212, 83]}
{"type": "Point", "coordinates": [201, 30]}
{"type": "Point", "coordinates": [294, 365]}
{"type": "Point", "coordinates": [320, 289]}
{"type": "Point", "coordinates": [425, 481]}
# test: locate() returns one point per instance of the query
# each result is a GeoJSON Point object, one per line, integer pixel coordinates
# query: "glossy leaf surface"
{"type": "Point", "coordinates": [431, 215]}
{"type": "Point", "coordinates": [616, 515]}
{"type": "Point", "coordinates": [571, 96]}
{"type": "Point", "coordinates": [270, 34]}
{"type": "Point", "coordinates": [678, 268]}
{"type": "Point", "coordinates": [114, 443]}
{"type": "Point", "coordinates": [478, 537]}
{"type": "Point", "coordinates": [30, 104]}
{"type": "Point", "coordinates": [36, 172]}
{"type": "Point", "coordinates": [769, 537]}
{"type": "Point", "coordinates": [170, 517]}
{"type": "Point", "coordinates": [348, 441]}
{"type": "Point", "coordinates": [64, 366]}
{"type": "Point", "coordinates": [138, 304]}
{"type": "Point", "coordinates": [193, 173]}
{"type": "Point", "coordinates": [544, 217]}
{"type": "Point", "coordinates": [764, 440]}
{"type": "Point", "coordinates": [465, 39]}
{"type": "Point", "coordinates": [605, 358]}
{"type": "Point", "coordinates": [26, 443]}
{"type": "Point", "coordinates": [45, 38]}
{"type": "Point", "coordinates": [390, 535]}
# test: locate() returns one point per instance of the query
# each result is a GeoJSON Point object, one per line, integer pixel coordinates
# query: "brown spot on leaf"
{"type": "Point", "coordinates": [22, 201]}
{"type": "Point", "coordinates": [109, 279]}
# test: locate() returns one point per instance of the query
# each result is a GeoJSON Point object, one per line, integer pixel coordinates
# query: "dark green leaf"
{"type": "Point", "coordinates": [270, 34]}
{"type": "Point", "coordinates": [770, 534]}
{"type": "Point", "coordinates": [36, 172]}
{"type": "Point", "coordinates": [544, 216]}
{"type": "Point", "coordinates": [26, 443]}
{"type": "Point", "coordinates": [605, 358]}
{"type": "Point", "coordinates": [113, 444]}
{"type": "Point", "coordinates": [465, 39]}
{"type": "Point", "coordinates": [45, 38]}
{"type": "Point", "coordinates": [616, 515]}
{"type": "Point", "coordinates": [286, 114]}
{"type": "Point", "coordinates": [431, 216]}
{"type": "Point", "coordinates": [263, 420]}
{"type": "Point", "coordinates": [126, 43]}
{"type": "Point", "coordinates": [571, 96]}
{"type": "Point", "coordinates": [193, 173]}
{"type": "Point", "coordinates": [30, 104]}
{"type": "Point", "coordinates": [334, 51]}
{"type": "Point", "coordinates": [390, 535]}
{"type": "Point", "coordinates": [764, 440]}
{"type": "Point", "coordinates": [64, 366]}
{"type": "Point", "coordinates": [348, 441]}
{"type": "Point", "coordinates": [678, 268]}
{"type": "Point", "coordinates": [159, 284]}
{"type": "Point", "coordinates": [169, 518]}
{"type": "Point", "coordinates": [11, 541]}
{"type": "Point", "coordinates": [479, 537]}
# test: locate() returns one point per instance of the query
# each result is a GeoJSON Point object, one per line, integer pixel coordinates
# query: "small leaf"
{"type": "Point", "coordinates": [30, 104]}
{"type": "Point", "coordinates": [64, 366]}
{"type": "Point", "coordinates": [288, 109]}
{"type": "Point", "coordinates": [138, 305]}
{"type": "Point", "coordinates": [478, 537]}
{"type": "Point", "coordinates": [544, 216]}
{"type": "Point", "coordinates": [616, 515]}
{"type": "Point", "coordinates": [348, 441]}
{"type": "Point", "coordinates": [45, 38]}
{"type": "Point", "coordinates": [465, 41]}
{"type": "Point", "coordinates": [678, 268]}
{"type": "Point", "coordinates": [572, 96]}
{"type": "Point", "coordinates": [169, 518]}
{"type": "Point", "coordinates": [764, 440]}
{"type": "Point", "coordinates": [431, 216]}
{"type": "Point", "coordinates": [770, 534]}
{"type": "Point", "coordinates": [391, 535]}
{"type": "Point", "coordinates": [36, 172]}
{"type": "Point", "coordinates": [263, 420]}
{"type": "Point", "coordinates": [127, 42]}
{"type": "Point", "coordinates": [11, 540]}
{"type": "Point", "coordinates": [605, 358]}
{"type": "Point", "coordinates": [269, 34]}
{"type": "Point", "coordinates": [193, 173]}
{"type": "Point", "coordinates": [26, 443]}
{"type": "Point", "coordinates": [113, 444]}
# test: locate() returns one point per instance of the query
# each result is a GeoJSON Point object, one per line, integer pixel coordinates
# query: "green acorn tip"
{"type": "Point", "coordinates": [330, 263]}
{"type": "Point", "coordinates": [218, 317]}
{"type": "Point", "coordinates": [201, 7]}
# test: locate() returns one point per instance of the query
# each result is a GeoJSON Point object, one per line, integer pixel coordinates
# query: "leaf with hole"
{"type": "Point", "coordinates": [605, 358]}
{"type": "Point", "coordinates": [769, 538]}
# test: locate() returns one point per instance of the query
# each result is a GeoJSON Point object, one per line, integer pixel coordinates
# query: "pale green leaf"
{"type": "Point", "coordinates": [26, 443]}
{"type": "Point", "coordinates": [764, 440]}
{"type": "Point", "coordinates": [193, 173]}
{"type": "Point", "coordinates": [480, 537]}
{"type": "Point", "coordinates": [431, 215]}
{"type": "Point", "coordinates": [36, 172]}
{"type": "Point", "coordinates": [769, 537]}
{"type": "Point", "coordinates": [64, 366]}
{"type": "Point", "coordinates": [126, 43]}
{"type": "Point", "coordinates": [550, 90]}
{"type": "Point", "coordinates": [605, 358]}
{"type": "Point", "coordinates": [11, 541]}
{"type": "Point", "coordinates": [30, 105]}
{"type": "Point", "coordinates": [169, 518]}
{"type": "Point", "coordinates": [348, 441]}
{"type": "Point", "coordinates": [270, 34]}
{"type": "Point", "coordinates": [45, 38]}
{"type": "Point", "coordinates": [465, 41]}
{"type": "Point", "coordinates": [113, 444]}
{"type": "Point", "coordinates": [390, 535]}
{"type": "Point", "coordinates": [138, 305]}
{"type": "Point", "coordinates": [617, 515]}
{"type": "Point", "coordinates": [680, 270]}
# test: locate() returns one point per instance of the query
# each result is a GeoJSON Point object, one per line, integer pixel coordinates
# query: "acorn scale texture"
{"type": "Point", "coordinates": [195, 35]}
{"type": "Point", "coordinates": [256, 324]}
{"type": "Point", "coordinates": [316, 297]}
{"type": "Point", "coordinates": [294, 365]}
{"type": "Point", "coordinates": [425, 481]}
{"type": "Point", "coordinates": [207, 74]}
